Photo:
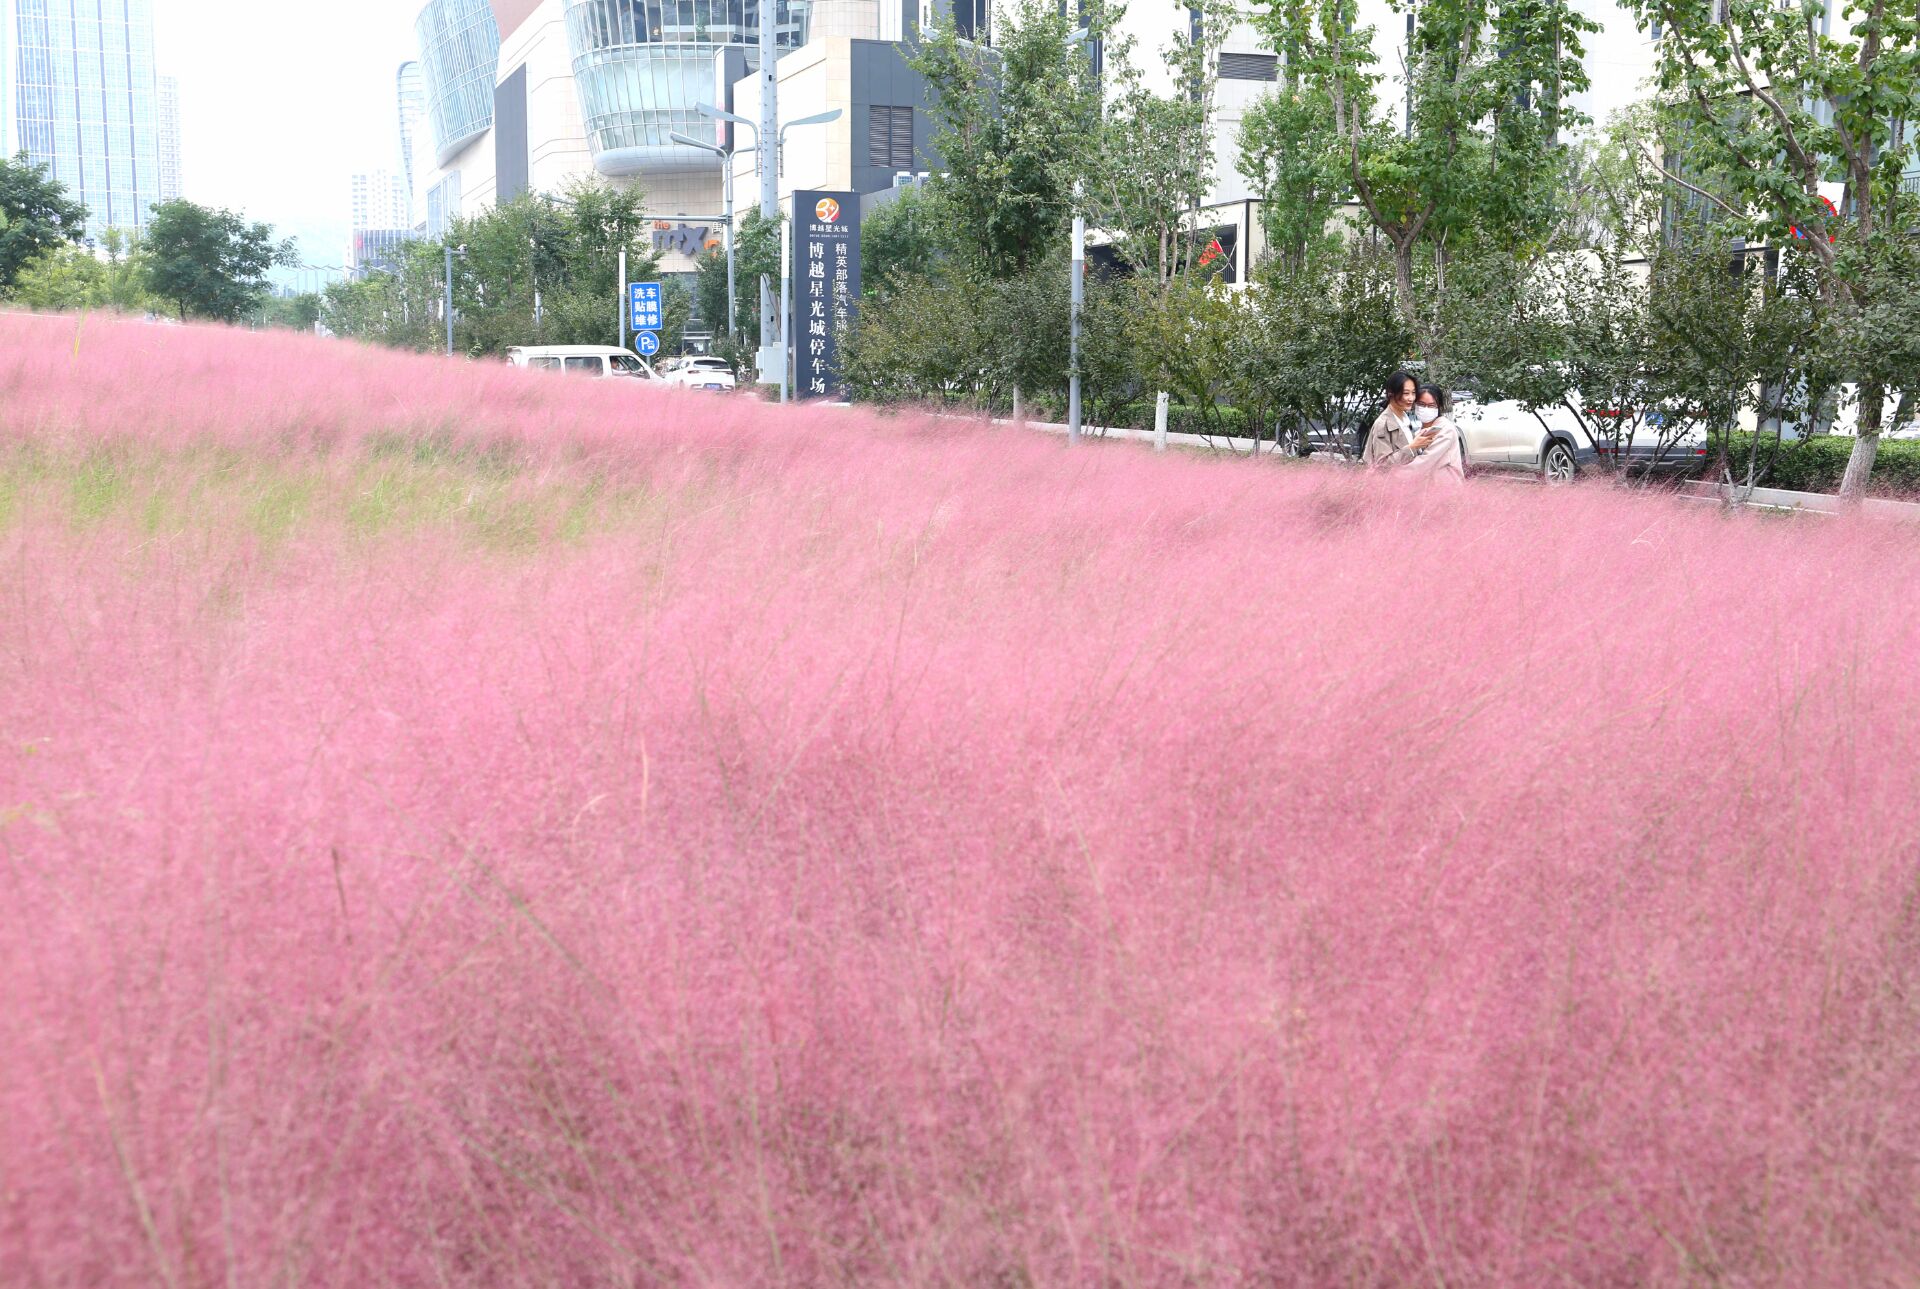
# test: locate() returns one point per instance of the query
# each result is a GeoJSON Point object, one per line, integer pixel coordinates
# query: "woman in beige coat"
{"type": "Point", "coordinates": [1413, 435]}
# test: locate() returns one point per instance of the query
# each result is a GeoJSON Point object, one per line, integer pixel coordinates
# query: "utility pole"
{"type": "Point", "coordinates": [1079, 303]}
{"type": "Point", "coordinates": [768, 158]}
{"type": "Point", "coordinates": [622, 307]}
{"type": "Point", "coordinates": [1076, 40]}
{"type": "Point", "coordinates": [449, 299]}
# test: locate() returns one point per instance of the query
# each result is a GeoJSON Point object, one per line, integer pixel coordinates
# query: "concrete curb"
{"type": "Point", "coordinates": [1812, 503]}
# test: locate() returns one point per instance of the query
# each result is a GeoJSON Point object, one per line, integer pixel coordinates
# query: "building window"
{"type": "Point", "coordinates": [1249, 67]}
{"type": "Point", "coordinates": [890, 137]}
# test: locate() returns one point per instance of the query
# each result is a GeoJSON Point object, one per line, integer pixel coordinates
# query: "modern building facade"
{"type": "Point", "coordinates": [459, 54]}
{"type": "Point", "coordinates": [583, 89]}
{"type": "Point", "coordinates": [172, 177]}
{"type": "Point", "coordinates": [380, 215]}
{"type": "Point", "coordinates": [79, 94]}
{"type": "Point", "coordinates": [416, 162]}
{"type": "Point", "coordinates": [529, 95]}
{"type": "Point", "coordinates": [379, 200]}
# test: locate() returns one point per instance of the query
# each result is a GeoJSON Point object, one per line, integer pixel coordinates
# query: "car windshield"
{"type": "Point", "coordinates": [628, 365]}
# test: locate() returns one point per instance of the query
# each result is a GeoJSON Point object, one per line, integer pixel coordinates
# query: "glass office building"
{"type": "Point", "coordinates": [642, 65]}
{"type": "Point", "coordinates": [411, 93]}
{"type": "Point", "coordinates": [459, 61]}
{"type": "Point", "coordinates": [82, 98]}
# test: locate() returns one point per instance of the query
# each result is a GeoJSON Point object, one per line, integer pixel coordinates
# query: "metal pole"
{"type": "Point", "coordinates": [786, 287]}
{"type": "Point", "coordinates": [733, 297]}
{"type": "Point", "coordinates": [449, 301]}
{"type": "Point", "coordinates": [1079, 302]}
{"type": "Point", "coordinates": [623, 297]}
{"type": "Point", "coordinates": [766, 156]}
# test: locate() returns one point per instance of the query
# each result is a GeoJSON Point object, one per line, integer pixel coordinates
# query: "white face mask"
{"type": "Point", "coordinates": [1426, 415]}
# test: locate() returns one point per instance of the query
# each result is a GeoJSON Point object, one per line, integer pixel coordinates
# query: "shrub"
{"type": "Point", "coordinates": [1184, 418]}
{"type": "Point", "coordinates": [1817, 464]}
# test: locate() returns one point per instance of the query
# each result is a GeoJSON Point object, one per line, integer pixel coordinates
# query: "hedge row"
{"type": "Point", "coordinates": [1817, 464]}
{"type": "Point", "coordinates": [1184, 418]}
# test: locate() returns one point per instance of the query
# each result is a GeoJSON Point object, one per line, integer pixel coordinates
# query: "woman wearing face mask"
{"type": "Point", "coordinates": [1393, 443]}
{"type": "Point", "coordinates": [1445, 456]}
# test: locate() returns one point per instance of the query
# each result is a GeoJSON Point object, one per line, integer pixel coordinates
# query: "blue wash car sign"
{"type": "Point", "coordinates": [644, 297]}
{"type": "Point", "coordinates": [648, 344]}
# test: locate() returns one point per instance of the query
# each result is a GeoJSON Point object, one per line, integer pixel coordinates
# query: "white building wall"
{"type": "Point", "coordinates": [556, 134]}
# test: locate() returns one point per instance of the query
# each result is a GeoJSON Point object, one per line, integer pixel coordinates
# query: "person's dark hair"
{"type": "Point", "coordinates": [1440, 399]}
{"type": "Point", "coordinates": [1398, 381]}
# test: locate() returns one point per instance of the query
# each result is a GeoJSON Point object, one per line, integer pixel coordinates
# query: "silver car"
{"type": "Point", "coordinates": [1556, 445]}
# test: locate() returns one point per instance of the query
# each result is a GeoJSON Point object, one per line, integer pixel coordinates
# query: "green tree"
{"type": "Point", "coordinates": [291, 312]}
{"type": "Point", "coordinates": [1288, 158]}
{"type": "Point", "coordinates": [900, 236]}
{"type": "Point", "coordinates": [60, 278]}
{"type": "Point", "coordinates": [1763, 105]}
{"type": "Point", "coordinates": [1012, 124]}
{"type": "Point", "coordinates": [211, 263]}
{"type": "Point", "coordinates": [1478, 153]}
{"type": "Point", "coordinates": [563, 252]}
{"type": "Point", "coordinates": [756, 251]}
{"type": "Point", "coordinates": [401, 307]}
{"type": "Point", "coordinates": [1332, 334]}
{"type": "Point", "coordinates": [1153, 165]}
{"type": "Point", "coordinates": [69, 277]}
{"type": "Point", "coordinates": [909, 343]}
{"type": "Point", "coordinates": [36, 215]}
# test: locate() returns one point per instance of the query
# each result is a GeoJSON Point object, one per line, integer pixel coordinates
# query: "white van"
{"type": "Point", "coordinates": [604, 361]}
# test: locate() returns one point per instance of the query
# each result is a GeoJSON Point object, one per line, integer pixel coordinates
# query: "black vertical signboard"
{"type": "Point", "coordinates": [826, 287]}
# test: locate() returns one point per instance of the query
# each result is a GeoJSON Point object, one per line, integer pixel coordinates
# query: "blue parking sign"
{"type": "Point", "coordinates": [644, 301]}
{"type": "Point", "coordinates": [648, 344]}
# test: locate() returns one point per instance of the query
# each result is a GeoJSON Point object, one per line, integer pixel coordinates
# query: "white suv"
{"type": "Point", "coordinates": [700, 371]}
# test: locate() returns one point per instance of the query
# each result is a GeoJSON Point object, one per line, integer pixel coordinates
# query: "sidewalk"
{"type": "Point", "coordinates": [1812, 503]}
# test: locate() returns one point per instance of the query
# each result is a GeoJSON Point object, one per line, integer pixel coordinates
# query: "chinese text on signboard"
{"type": "Point", "coordinates": [645, 301]}
{"type": "Point", "coordinates": [826, 273]}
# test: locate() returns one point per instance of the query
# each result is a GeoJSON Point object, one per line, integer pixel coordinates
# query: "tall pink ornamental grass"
{"type": "Point", "coordinates": [885, 851]}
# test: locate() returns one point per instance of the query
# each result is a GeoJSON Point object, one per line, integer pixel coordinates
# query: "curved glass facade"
{"type": "Point", "coordinates": [411, 93]}
{"type": "Point", "coordinates": [642, 65]}
{"type": "Point", "coordinates": [459, 60]}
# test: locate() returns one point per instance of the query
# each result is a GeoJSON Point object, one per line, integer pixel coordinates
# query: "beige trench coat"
{"type": "Point", "coordinates": [1390, 447]}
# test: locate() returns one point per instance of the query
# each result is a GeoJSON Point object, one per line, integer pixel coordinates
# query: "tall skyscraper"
{"type": "Point", "coordinates": [412, 94]}
{"type": "Point", "coordinates": [382, 220]}
{"type": "Point", "coordinates": [380, 201]}
{"type": "Point", "coordinates": [171, 183]}
{"type": "Point", "coordinates": [78, 94]}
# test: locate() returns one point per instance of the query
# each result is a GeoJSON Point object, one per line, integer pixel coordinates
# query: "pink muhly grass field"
{"type": "Point", "coordinates": [463, 826]}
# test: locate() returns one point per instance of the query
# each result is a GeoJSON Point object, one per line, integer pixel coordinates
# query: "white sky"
{"type": "Point", "coordinates": [280, 103]}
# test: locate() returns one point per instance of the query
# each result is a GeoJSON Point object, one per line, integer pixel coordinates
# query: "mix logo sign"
{"type": "Point", "coordinates": [688, 239]}
{"type": "Point", "coordinates": [826, 272]}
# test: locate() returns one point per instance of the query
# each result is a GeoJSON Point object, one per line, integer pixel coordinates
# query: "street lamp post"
{"type": "Point", "coordinates": [772, 335]}
{"type": "Point", "coordinates": [769, 166]}
{"type": "Point", "coordinates": [451, 252]}
{"type": "Point", "coordinates": [786, 248]}
{"type": "Point", "coordinates": [726, 160]}
{"type": "Point", "coordinates": [1076, 39]}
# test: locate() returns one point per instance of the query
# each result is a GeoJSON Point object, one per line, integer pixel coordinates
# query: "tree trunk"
{"type": "Point", "coordinates": [1403, 280]}
{"type": "Point", "coordinates": [1866, 446]}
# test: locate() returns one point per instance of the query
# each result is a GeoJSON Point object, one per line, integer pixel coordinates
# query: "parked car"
{"type": "Point", "coordinates": [700, 371]}
{"type": "Point", "coordinates": [603, 361]}
{"type": "Point", "coordinates": [1557, 445]}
